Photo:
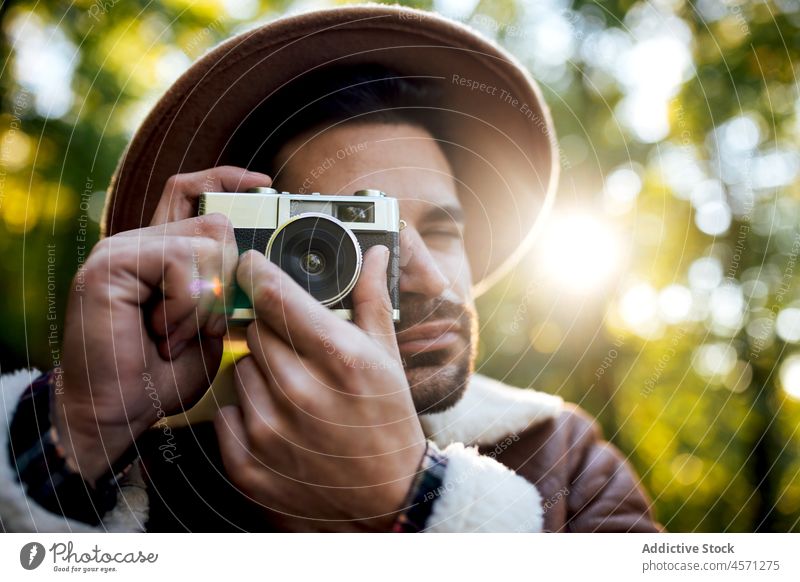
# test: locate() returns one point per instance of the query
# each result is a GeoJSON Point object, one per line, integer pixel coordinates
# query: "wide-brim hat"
{"type": "Point", "coordinates": [500, 137]}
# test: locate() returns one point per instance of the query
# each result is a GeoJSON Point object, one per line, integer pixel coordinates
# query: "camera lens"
{"type": "Point", "coordinates": [312, 263]}
{"type": "Point", "coordinates": [320, 253]}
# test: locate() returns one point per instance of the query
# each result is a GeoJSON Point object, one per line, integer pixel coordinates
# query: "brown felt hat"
{"type": "Point", "coordinates": [501, 140]}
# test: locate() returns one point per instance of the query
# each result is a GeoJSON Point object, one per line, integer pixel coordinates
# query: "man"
{"type": "Point", "coordinates": [334, 425]}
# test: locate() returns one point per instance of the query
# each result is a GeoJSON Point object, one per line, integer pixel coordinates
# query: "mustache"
{"type": "Point", "coordinates": [414, 311]}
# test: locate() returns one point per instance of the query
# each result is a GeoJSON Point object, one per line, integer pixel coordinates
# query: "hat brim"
{"type": "Point", "coordinates": [500, 138]}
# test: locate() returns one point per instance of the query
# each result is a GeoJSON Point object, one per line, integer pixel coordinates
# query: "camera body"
{"type": "Point", "coordinates": [318, 239]}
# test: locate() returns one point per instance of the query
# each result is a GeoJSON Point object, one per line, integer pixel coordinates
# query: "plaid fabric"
{"type": "Point", "coordinates": [426, 489]}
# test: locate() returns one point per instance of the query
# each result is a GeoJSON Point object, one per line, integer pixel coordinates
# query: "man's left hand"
{"type": "Point", "coordinates": [326, 435]}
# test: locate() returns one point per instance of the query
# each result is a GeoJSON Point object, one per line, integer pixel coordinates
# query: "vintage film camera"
{"type": "Point", "coordinates": [318, 239]}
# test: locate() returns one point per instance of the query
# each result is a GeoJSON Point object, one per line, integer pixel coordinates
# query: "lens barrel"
{"type": "Point", "coordinates": [320, 253]}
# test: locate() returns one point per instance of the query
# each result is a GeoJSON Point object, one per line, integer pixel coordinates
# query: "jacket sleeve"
{"type": "Point", "coordinates": [19, 513]}
{"type": "Point", "coordinates": [605, 495]}
{"type": "Point", "coordinates": [479, 494]}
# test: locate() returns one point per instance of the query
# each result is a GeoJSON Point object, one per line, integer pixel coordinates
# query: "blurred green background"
{"type": "Point", "coordinates": [662, 296]}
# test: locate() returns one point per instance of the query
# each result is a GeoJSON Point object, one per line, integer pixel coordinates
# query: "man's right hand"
{"type": "Point", "coordinates": [145, 321]}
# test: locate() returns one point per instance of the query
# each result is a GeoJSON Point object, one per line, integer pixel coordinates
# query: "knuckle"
{"type": "Point", "coordinates": [228, 169]}
{"type": "Point", "coordinates": [349, 351]}
{"type": "Point", "coordinates": [98, 265]}
{"type": "Point", "coordinates": [261, 433]}
{"type": "Point", "coordinates": [181, 250]}
{"type": "Point", "coordinates": [300, 398]}
{"type": "Point", "coordinates": [208, 249]}
{"type": "Point", "coordinates": [247, 477]}
{"type": "Point", "coordinates": [216, 225]}
{"type": "Point", "coordinates": [95, 272]}
{"type": "Point", "coordinates": [103, 246]}
{"type": "Point", "coordinates": [265, 289]}
{"type": "Point", "coordinates": [349, 355]}
{"type": "Point", "coordinates": [332, 343]}
{"type": "Point", "coordinates": [257, 432]}
{"type": "Point", "coordinates": [172, 183]}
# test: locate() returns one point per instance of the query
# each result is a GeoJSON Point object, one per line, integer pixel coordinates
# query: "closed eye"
{"type": "Point", "coordinates": [453, 232]}
{"type": "Point", "coordinates": [443, 221]}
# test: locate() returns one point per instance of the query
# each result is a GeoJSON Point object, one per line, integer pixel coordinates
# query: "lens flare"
{"type": "Point", "coordinates": [579, 253]}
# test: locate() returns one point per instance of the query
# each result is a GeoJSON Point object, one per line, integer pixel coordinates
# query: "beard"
{"type": "Point", "coordinates": [438, 378]}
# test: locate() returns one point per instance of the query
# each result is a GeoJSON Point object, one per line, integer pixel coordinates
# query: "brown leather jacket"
{"type": "Point", "coordinates": [586, 484]}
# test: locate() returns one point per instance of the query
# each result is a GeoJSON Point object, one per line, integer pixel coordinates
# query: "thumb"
{"type": "Point", "coordinates": [372, 307]}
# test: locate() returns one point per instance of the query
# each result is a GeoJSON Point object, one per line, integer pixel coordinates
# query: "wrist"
{"type": "Point", "coordinates": [89, 442]}
{"type": "Point", "coordinates": [43, 467]}
{"type": "Point", "coordinates": [425, 490]}
{"type": "Point", "coordinates": [397, 494]}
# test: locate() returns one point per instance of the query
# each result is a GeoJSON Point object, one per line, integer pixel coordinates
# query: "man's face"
{"type": "Point", "coordinates": [437, 332]}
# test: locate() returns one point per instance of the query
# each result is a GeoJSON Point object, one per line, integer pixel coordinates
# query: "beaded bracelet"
{"type": "Point", "coordinates": [427, 487]}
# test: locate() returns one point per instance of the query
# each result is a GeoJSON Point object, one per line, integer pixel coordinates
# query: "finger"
{"type": "Point", "coordinates": [291, 378]}
{"type": "Point", "coordinates": [372, 307]}
{"type": "Point", "coordinates": [161, 269]}
{"type": "Point", "coordinates": [233, 444]}
{"type": "Point", "coordinates": [214, 225]}
{"type": "Point", "coordinates": [218, 268]}
{"type": "Point", "coordinates": [259, 410]}
{"type": "Point", "coordinates": [222, 279]}
{"type": "Point", "coordinates": [186, 334]}
{"type": "Point", "coordinates": [287, 308]}
{"type": "Point", "coordinates": [181, 192]}
{"type": "Point", "coordinates": [194, 371]}
{"type": "Point", "coordinates": [191, 290]}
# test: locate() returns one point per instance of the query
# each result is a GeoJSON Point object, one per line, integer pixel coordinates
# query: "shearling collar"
{"type": "Point", "coordinates": [488, 412]}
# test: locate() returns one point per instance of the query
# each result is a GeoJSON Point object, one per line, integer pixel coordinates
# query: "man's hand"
{"type": "Point", "coordinates": [326, 435]}
{"type": "Point", "coordinates": [144, 324]}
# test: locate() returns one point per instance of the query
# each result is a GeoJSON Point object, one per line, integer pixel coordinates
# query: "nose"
{"type": "Point", "coordinates": [419, 272]}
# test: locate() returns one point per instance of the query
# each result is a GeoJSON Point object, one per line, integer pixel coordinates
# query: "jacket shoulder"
{"type": "Point", "coordinates": [586, 483]}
